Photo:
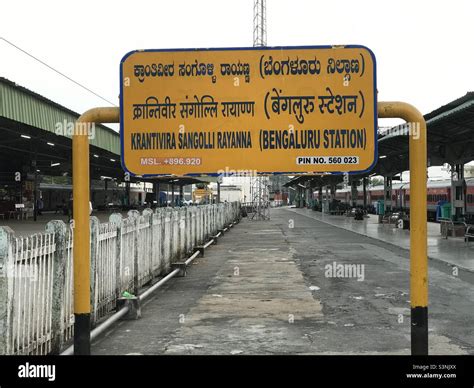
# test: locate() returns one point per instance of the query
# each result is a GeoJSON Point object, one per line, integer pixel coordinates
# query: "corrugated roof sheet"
{"type": "Point", "coordinates": [455, 106]}
{"type": "Point", "coordinates": [20, 104]}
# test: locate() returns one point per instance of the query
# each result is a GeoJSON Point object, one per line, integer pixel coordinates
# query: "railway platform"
{"type": "Point", "coordinates": [453, 252]}
{"type": "Point", "coordinates": [295, 284]}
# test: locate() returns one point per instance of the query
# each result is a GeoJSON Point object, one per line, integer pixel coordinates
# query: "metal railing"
{"type": "Point", "coordinates": [36, 272]}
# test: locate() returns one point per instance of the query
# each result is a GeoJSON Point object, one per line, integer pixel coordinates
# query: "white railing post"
{"type": "Point", "coordinates": [207, 226]}
{"type": "Point", "coordinates": [133, 218]}
{"type": "Point", "coordinates": [193, 216]}
{"type": "Point", "coordinates": [199, 227]}
{"type": "Point", "coordinates": [94, 228]}
{"type": "Point", "coordinates": [116, 219]}
{"type": "Point", "coordinates": [175, 235]}
{"type": "Point", "coordinates": [7, 242]}
{"type": "Point", "coordinates": [156, 242]}
{"type": "Point", "coordinates": [167, 238]}
{"type": "Point", "coordinates": [58, 228]}
{"type": "Point", "coordinates": [147, 244]}
{"type": "Point", "coordinates": [188, 230]}
{"type": "Point", "coordinates": [182, 233]}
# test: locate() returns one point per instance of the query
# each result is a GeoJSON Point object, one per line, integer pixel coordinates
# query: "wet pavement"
{"type": "Point", "coordinates": [270, 287]}
{"type": "Point", "coordinates": [453, 251]}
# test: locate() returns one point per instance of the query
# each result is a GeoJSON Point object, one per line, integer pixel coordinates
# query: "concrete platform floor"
{"type": "Point", "coordinates": [265, 288]}
{"type": "Point", "coordinates": [452, 251]}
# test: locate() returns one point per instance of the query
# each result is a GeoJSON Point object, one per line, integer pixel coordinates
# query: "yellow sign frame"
{"type": "Point", "coordinates": [418, 230]}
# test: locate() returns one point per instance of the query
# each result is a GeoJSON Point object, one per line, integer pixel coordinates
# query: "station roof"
{"type": "Point", "coordinates": [450, 140]}
{"type": "Point", "coordinates": [22, 105]}
{"type": "Point", "coordinates": [29, 132]}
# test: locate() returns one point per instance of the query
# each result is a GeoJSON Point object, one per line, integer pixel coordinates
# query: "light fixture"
{"type": "Point", "coordinates": [112, 160]}
{"type": "Point", "coordinates": [96, 156]}
{"type": "Point", "coordinates": [50, 144]}
{"type": "Point", "coordinates": [25, 136]}
{"type": "Point", "coordinates": [55, 164]}
{"type": "Point", "coordinates": [382, 156]}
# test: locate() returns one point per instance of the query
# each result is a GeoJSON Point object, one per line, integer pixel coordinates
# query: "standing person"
{"type": "Point", "coordinates": [40, 205]}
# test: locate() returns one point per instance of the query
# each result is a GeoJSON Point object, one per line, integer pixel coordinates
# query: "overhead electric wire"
{"type": "Point", "coordinates": [57, 71]}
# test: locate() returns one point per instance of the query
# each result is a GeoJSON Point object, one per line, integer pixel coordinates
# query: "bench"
{"type": "Point", "coordinates": [452, 228]}
{"type": "Point", "coordinates": [385, 218]}
{"type": "Point", "coordinates": [469, 233]}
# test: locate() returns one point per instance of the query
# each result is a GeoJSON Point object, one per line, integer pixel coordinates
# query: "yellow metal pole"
{"type": "Point", "coordinates": [81, 182]}
{"type": "Point", "coordinates": [418, 237]}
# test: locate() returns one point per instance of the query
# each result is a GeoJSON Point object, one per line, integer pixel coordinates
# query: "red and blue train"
{"type": "Point", "coordinates": [437, 192]}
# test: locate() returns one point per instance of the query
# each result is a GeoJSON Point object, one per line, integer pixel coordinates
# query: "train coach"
{"type": "Point", "coordinates": [437, 192]}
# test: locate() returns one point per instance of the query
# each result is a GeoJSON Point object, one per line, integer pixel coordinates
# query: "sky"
{"type": "Point", "coordinates": [423, 48]}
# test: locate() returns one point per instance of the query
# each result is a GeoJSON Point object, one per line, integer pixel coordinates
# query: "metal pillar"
{"type": "Point", "coordinates": [105, 193]}
{"type": "Point", "coordinates": [354, 192]}
{"type": "Point", "coordinates": [259, 23]}
{"type": "Point", "coordinates": [260, 196]}
{"type": "Point", "coordinates": [333, 192]}
{"type": "Point", "coordinates": [127, 191]}
{"type": "Point", "coordinates": [308, 196]}
{"type": "Point", "coordinates": [35, 188]}
{"type": "Point", "coordinates": [327, 199]}
{"type": "Point", "coordinates": [218, 192]}
{"type": "Point", "coordinates": [181, 195]}
{"type": "Point", "coordinates": [418, 224]}
{"type": "Point", "coordinates": [91, 190]}
{"type": "Point", "coordinates": [320, 197]}
{"type": "Point", "coordinates": [458, 192]}
{"type": "Point", "coordinates": [387, 197]}
{"type": "Point", "coordinates": [172, 195]}
{"type": "Point", "coordinates": [157, 194]}
{"type": "Point", "coordinates": [82, 246]}
{"type": "Point", "coordinates": [364, 189]}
